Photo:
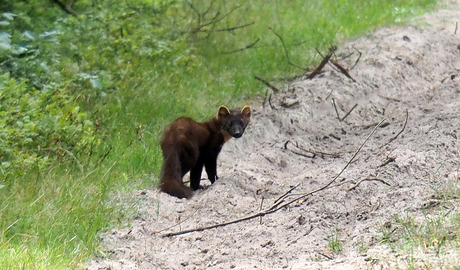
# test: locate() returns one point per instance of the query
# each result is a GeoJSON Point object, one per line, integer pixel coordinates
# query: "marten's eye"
{"type": "Point", "coordinates": [230, 124]}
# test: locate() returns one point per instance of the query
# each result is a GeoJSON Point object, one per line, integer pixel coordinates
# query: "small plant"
{"type": "Point", "coordinates": [334, 242]}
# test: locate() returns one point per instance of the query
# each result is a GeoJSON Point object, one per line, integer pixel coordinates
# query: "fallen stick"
{"type": "Point", "coordinates": [368, 179]}
{"type": "Point", "coordinates": [323, 63]}
{"type": "Point", "coordinates": [348, 113]}
{"type": "Point", "coordinates": [343, 70]}
{"type": "Point", "coordinates": [313, 152]}
{"type": "Point", "coordinates": [286, 193]}
{"type": "Point", "coordinates": [277, 206]}
{"type": "Point", "coordinates": [357, 60]}
{"type": "Point", "coordinates": [337, 112]}
{"type": "Point", "coordinates": [274, 88]}
{"type": "Point", "coordinates": [399, 133]}
{"type": "Point", "coordinates": [335, 108]}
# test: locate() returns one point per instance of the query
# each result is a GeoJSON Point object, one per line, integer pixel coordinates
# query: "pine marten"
{"type": "Point", "coordinates": [188, 145]}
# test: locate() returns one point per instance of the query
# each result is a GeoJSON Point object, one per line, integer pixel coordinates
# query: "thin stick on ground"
{"type": "Point", "coordinates": [335, 108]}
{"type": "Point", "coordinates": [357, 60]}
{"type": "Point", "coordinates": [323, 63]}
{"type": "Point", "coordinates": [286, 193]}
{"type": "Point", "coordinates": [368, 179]}
{"type": "Point", "coordinates": [313, 152]}
{"type": "Point", "coordinates": [271, 86]}
{"type": "Point", "coordinates": [348, 113]}
{"type": "Point", "coordinates": [277, 205]}
{"type": "Point", "coordinates": [399, 133]}
{"type": "Point", "coordinates": [343, 70]}
{"type": "Point", "coordinates": [260, 209]}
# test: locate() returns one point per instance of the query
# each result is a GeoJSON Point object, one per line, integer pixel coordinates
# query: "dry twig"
{"type": "Point", "coordinates": [357, 60]}
{"type": "Point", "coordinates": [271, 86]}
{"type": "Point", "coordinates": [342, 69]}
{"type": "Point", "coordinates": [368, 179]}
{"type": "Point", "coordinates": [313, 152]}
{"type": "Point", "coordinates": [323, 62]}
{"type": "Point", "coordinates": [244, 48]}
{"type": "Point", "coordinates": [348, 113]}
{"type": "Point", "coordinates": [285, 49]}
{"type": "Point", "coordinates": [399, 133]}
{"type": "Point", "coordinates": [337, 112]}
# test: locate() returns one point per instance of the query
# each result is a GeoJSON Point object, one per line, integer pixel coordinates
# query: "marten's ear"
{"type": "Point", "coordinates": [223, 111]}
{"type": "Point", "coordinates": [246, 112]}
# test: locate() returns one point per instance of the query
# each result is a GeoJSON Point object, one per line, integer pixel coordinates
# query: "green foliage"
{"type": "Point", "coordinates": [37, 124]}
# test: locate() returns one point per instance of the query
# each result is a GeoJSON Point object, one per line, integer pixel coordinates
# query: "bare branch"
{"type": "Point", "coordinates": [245, 48]}
{"type": "Point", "coordinates": [285, 50]}
{"type": "Point", "coordinates": [348, 113]}
{"type": "Point", "coordinates": [368, 179]}
{"type": "Point", "coordinates": [323, 63]}
{"type": "Point", "coordinates": [313, 152]}
{"type": "Point", "coordinates": [271, 86]}
{"type": "Point", "coordinates": [342, 69]}
{"type": "Point", "coordinates": [235, 27]}
{"type": "Point", "coordinates": [399, 133]}
{"type": "Point", "coordinates": [357, 60]}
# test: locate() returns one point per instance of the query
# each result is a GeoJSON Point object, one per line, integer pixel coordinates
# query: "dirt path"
{"type": "Point", "coordinates": [411, 69]}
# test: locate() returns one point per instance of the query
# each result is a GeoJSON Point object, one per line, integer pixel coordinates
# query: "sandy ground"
{"type": "Point", "coordinates": [414, 69]}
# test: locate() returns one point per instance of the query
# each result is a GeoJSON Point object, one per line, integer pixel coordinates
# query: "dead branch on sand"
{"type": "Point", "coordinates": [368, 179]}
{"type": "Point", "coordinates": [279, 203]}
{"type": "Point", "coordinates": [342, 69]}
{"type": "Point", "coordinates": [399, 133]}
{"type": "Point", "coordinates": [313, 153]}
{"type": "Point", "coordinates": [323, 62]}
{"type": "Point", "coordinates": [337, 112]}
{"type": "Point", "coordinates": [357, 60]}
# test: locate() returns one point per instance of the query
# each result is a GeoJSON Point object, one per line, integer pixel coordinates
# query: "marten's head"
{"type": "Point", "coordinates": [233, 122]}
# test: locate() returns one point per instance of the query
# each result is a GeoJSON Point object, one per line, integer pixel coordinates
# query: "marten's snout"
{"type": "Point", "coordinates": [237, 134]}
{"type": "Point", "coordinates": [236, 130]}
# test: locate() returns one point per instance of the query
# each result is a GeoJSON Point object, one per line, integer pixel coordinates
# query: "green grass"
{"type": "Point", "coordinates": [334, 243]}
{"type": "Point", "coordinates": [50, 219]}
{"type": "Point", "coordinates": [431, 240]}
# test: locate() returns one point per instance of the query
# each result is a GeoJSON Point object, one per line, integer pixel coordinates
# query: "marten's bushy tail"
{"type": "Point", "coordinates": [171, 178]}
{"type": "Point", "coordinates": [175, 188]}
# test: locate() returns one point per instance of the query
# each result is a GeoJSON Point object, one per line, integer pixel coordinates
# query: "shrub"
{"type": "Point", "coordinates": [38, 125]}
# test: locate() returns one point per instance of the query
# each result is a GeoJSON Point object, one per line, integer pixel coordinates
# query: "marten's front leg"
{"type": "Point", "coordinates": [211, 169]}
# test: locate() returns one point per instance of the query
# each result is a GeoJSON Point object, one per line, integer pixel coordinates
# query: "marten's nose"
{"type": "Point", "coordinates": [237, 134]}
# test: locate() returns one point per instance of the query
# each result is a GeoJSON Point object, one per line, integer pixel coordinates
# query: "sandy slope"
{"type": "Point", "coordinates": [414, 69]}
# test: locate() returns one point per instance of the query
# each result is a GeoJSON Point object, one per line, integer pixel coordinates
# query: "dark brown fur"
{"type": "Point", "coordinates": [188, 145]}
